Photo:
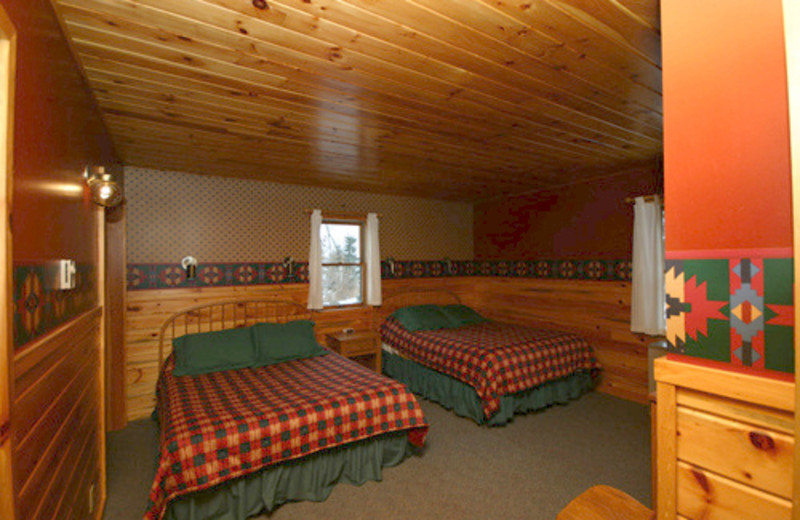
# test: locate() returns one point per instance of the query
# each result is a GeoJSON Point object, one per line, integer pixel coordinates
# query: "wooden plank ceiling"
{"type": "Point", "coordinates": [451, 99]}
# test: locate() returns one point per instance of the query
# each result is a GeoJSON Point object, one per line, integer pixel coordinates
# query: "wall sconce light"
{"type": "Point", "coordinates": [189, 264]}
{"type": "Point", "coordinates": [105, 191]}
{"type": "Point", "coordinates": [390, 262]}
{"type": "Point", "coordinates": [288, 265]}
{"type": "Point", "coordinates": [448, 265]}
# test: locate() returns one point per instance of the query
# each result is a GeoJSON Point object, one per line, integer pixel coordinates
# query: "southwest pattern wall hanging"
{"type": "Point", "coordinates": [167, 276]}
{"type": "Point", "coordinates": [736, 310]}
{"type": "Point", "coordinates": [39, 309]}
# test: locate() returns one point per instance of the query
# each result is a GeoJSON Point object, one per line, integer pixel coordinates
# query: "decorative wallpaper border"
{"type": "Point", "coordinates": [735, 310]}
{"type": "Point", "coordinates": [38, 309]}
{"type": "Point", "coordinates": [172, 276]}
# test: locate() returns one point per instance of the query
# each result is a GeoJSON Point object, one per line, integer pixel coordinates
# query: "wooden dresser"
{"type": "Point", "coordinates": [725, 443]}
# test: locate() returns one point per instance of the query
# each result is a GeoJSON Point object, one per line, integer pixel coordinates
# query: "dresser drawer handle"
{"type": "Point", "coordinates": [762, 441]}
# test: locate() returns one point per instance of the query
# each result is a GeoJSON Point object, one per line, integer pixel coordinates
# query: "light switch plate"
{"type": "Point", "coordinates": [65, 278]}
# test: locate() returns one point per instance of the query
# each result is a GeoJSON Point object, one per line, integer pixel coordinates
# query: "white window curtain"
{"type": "Point", "coordinates": [373, 260]}
{"type": "Point", "coordinates": [648, 314]}
{"type": "Point", "coordinates": [315, 263]}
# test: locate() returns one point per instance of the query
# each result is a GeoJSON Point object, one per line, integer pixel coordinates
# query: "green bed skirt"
{"type": "Point", "coordinates": [309, 478]}
{"type": "Point", "coordinates": [462, 399]}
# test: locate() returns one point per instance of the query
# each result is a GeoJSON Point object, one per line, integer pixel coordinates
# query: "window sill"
{"type": "Point", "coordinates": [346, 307]}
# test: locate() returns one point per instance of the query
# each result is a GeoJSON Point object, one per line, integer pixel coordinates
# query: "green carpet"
{"type": "Point", "coordinates": [529, 469]}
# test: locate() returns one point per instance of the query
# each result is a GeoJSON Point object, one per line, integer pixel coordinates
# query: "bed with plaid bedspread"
{"type": "Point", "coordinates": [494, 358]}
{"type": "Point", "coordinates": [223, 425]}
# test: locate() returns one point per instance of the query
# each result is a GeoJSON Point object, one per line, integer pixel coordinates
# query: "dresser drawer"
{"type": "Point", "coordinates": [725, 442]}
{"type": "Point", "coordinates": [742, 452]}
{"type": "Point", "coordinates": [703, 495]}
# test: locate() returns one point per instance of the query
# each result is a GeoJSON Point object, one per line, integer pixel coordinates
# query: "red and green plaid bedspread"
{"type": "Point", "coordinates": [219, 426]}
{"type": "Point", "coordinates": [492, 357]}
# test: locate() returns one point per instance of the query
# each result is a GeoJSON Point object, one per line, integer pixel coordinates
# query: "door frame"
{"type": "Point", "coordinates": [791, 23]}
{"type": "Point", "coordinates": [8, 46]}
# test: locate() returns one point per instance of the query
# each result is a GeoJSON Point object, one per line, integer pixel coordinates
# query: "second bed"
{"type": "Point", "coordinates": [481, 369]}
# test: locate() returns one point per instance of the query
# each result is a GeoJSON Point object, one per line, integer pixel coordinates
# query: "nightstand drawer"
{"type": "Point", "coordinates": [357, 344]}
{"type": "Point", "coordinates": [357, 347]}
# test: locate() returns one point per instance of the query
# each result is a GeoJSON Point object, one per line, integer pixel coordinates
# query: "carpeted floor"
{"type": "Point", "coordinates": [529, 469]}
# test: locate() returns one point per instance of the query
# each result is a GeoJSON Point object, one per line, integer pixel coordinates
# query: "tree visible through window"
{"type": "Point", "coordinates": [342, 263]}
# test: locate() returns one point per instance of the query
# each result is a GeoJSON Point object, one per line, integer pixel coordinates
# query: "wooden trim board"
{"type": "Point", "coordinates": [8, 42]}
{"type": "Point", "coordinates": [734, 385]}
{"type": "Point", "coordinates": [791, 21]}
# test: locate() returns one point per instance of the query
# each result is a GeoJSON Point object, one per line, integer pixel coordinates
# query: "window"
{"type": "Point", "coordinates": [344, 262]}
{"type": "Point", "coordinates": [341, 245]}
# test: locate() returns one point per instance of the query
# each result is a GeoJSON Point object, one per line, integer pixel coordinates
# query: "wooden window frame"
{"type": "Point", "coordinates": [361, 222]}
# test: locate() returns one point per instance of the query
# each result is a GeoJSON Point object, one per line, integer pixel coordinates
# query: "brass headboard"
{"type": "Point", "coordinates": [228, 314]}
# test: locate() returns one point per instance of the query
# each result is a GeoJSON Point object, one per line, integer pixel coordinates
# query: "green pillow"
{"type": "Point", "coordinates": [422, 317]}
{"type": "Point", "coordinates": [213, 351]}
{"type": "Point", "coordinates": [278, 342]}
{"type": "Point", "coordinates": [460, 315]}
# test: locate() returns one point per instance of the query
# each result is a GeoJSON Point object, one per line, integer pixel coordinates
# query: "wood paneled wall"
{"type": "Point", "coordinates": [599, 310]}
{"type": "Point", "coordinates": [115, 317]}
{"type": "Point", "coordinates": [57, 435]}
{"type": "Point", "coordinates": [8, 53]}
{"type": "Point", "coordinates": [56, 394]}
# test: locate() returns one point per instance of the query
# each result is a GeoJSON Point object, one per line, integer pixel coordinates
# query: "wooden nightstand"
{"type": "Point", "coordinates": [360, 345]}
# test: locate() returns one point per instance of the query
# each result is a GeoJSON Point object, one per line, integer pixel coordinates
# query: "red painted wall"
{"type": "Point", "coordinates": [726, 145]}
{"type": "Point", "coordinates": [581, 221]}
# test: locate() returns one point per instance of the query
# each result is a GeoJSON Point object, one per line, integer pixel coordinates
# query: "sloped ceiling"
{"type": "Point", "coordinates": [451, 99]}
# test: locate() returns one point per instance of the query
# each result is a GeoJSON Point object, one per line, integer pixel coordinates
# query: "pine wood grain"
{"type": "Point", "coordinates": [666, 451]}
{"type": "Point", "coordinates": [758, 457]}
{"type": "Point", "coordinates": [791, 23]}
{"type": "Point", "coordinates": [778, 420]}
{"type": "Point", "coordinates": [722, 453]}
{"type": "Point", "coordinates": [58, 402]}
{"type": "Point", "coordinates": [741, 386]}
{"type": "Point", "coordinates": [595, 309]}
{"type": "Point", "coordinates": [704, 494]}
{"type": "Point", "coordinates": [502, 97]}
{"type": "Point", "coordinates": [604, 502]}
{"type": "Point", "coordinates": [8, 42]}
{"type": "Point", "coordinates": [116, 271]}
